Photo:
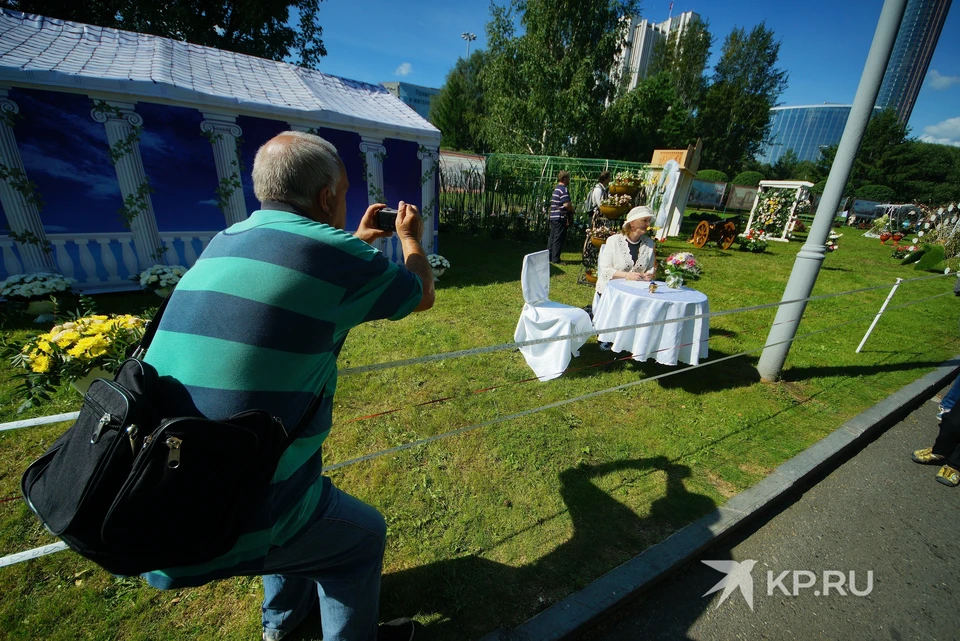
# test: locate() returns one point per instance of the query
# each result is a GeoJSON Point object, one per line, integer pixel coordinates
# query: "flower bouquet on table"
{"type": "Point", "coordinates": [438, 264]}
{"type": "Point", "coordinates": [38, 291]}
{"type": "Point", "coordinates": [680, 267]}
{"type": "Point", "coordinates": [75, 352]}
{"type": "Point", "coordinates": [160, 279]}
{"type": "Point", "coordinates": [753, 241]}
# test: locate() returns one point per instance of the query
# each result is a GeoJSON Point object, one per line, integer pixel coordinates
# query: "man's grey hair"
{"type": "Point", "coordinates": [295, 170]}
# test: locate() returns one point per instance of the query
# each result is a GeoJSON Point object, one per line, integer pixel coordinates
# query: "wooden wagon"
{"type": "Point", "coordinates": [723, 232]}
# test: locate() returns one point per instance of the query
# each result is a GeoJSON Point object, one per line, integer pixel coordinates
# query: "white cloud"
{"type": "Point", "coordinates": [212, 202]}
{"type": "Point", "coordinates": [938, 81]}
{"type": "Point", "coordinates": [404, 69]}
{"type": "Point", "coordinates": [943, 133]}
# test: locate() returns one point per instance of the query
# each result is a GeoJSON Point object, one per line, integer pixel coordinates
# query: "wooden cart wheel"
{"type": "Point", "coordinates": [729, 235]}
{"type": "Point", "coordinates": [701, 234]}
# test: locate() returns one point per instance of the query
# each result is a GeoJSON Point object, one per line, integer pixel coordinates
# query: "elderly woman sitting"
{"type": "Point", "coordinates": [628, 254]}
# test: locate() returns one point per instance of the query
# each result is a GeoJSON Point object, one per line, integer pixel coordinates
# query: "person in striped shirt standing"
{"type": "Point", "coordinates": [258, 323]}
{"type": "Point", "coordinates": [561, 215]}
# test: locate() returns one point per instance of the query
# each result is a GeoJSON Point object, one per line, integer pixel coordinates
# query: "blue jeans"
{"type": "Point", "coordinates": [950, 398]}
{"type": "Point", "coordinates": [338, 558]}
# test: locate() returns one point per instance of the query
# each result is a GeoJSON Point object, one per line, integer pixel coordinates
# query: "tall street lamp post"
{"type": "Point", "coordinates": [469, 37]}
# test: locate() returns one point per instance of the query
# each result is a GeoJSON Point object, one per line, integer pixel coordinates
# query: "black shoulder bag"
{"type": "Point", "coordinates": [135, 490]}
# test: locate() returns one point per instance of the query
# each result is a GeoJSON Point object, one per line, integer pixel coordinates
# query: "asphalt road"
{"type": "Point", "coordinates": [878, 512]}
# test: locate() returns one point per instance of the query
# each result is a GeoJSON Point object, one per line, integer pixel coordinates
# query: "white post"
{"type": "Point", "coordinates": [374, 152]}
{"type": "Point", "coordinates": [880, 313]}
{"type": "Point", "coordinates": [429, 158]}
{"type": "Point", "coordinates": [791, 219]}
{"type": "Point", "coordinates": [223, 131]}
{"type": "Point", "coordinates": [120, 120]}
{"type": "Point", "coordinates": [23, 215]}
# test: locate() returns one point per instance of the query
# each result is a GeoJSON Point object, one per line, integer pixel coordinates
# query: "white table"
{"type": "Point", "coordinates": [630, 303]}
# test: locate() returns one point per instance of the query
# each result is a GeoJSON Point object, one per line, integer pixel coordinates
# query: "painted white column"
{"type": "Point", "coordinates": [119, 119]}
{"type": "Point", "coordinates": [429, 161]}
{"type": "Point", "coordinates": [223, 132]}
{"type": "Point", "coordinates": [23, 215]}
{"type": "Point", "coordinates": [374, 152]}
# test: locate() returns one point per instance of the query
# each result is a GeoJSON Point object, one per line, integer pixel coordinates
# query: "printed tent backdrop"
{"type": "Point", "coordinates": [119, 150]}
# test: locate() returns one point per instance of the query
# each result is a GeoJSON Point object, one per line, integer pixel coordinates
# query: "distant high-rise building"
{"type": "Point", "coordinates": [633, 61]}
{"type": "Point", "coordinates": [414, 96]}
{"type": "Point", "coordinates": [919, 31]}
{"type": "Point", "coordinates": [805, 130]}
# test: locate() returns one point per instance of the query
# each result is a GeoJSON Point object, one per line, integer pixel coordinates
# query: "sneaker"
{"type": "Point", "coordinates": [397, 630]}
{"type": "Point", "coordinates": [948, 476]}
{"type": "Point", "coordinates": [926, 456]}
{"type": "Point", "coordinates": [940, 412]}
{"type": "Point", "coordinates": [270, 634]}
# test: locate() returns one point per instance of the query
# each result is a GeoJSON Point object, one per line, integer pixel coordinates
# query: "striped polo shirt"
{"type": "Point", "coordinates": [560, 196]}
{"type": "Point", "coordinates": [258, 323]}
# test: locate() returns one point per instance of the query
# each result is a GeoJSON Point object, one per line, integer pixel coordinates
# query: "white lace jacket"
{"type": "Point", "coordinates": [615, 257]}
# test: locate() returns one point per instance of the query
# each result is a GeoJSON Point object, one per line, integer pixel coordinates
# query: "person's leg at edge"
{"type": "Point", "coordinates": [951, 397]}
{"type": "Point", "coordinates": [287, 601]}
{"type": "Point", "coordinates": [561, 237]}
{"type": "Point", "coordinates": [552, 244]}
{"type": "Point", "coordinates": [948, 439]}
{"type": "Point", "coordinates": [341, 553]}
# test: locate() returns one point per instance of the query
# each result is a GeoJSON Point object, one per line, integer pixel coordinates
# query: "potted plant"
{"type": "Point", "coordinates": [160, 279]}
{"type": "Point", "coordinates": [76, 352]}
{"type": "Point", "coordinates": [599, 235]}
{"type": "Point", "coordinates": [623, 183]}
{"type": "Point", "coordinates": [37, 290]}
{"type": "Point", "coordinates": [753, 241]}
{"type": "Point", "coordinates": [615, 206]}
{"type": "Point", "coordinates": [438, 264]}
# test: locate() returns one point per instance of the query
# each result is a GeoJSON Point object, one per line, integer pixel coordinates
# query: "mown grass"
{"type": "Point", "coordinates": [489, 527]}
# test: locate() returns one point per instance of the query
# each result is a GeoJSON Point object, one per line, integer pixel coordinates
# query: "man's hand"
{"type": "Point", "coordinates": [409, 223]}
{"type": "Point", "coordinates": [369, 230]}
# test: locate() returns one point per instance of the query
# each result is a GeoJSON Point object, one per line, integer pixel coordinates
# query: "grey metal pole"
{"type": "Point", "coordinates": [810, 257]}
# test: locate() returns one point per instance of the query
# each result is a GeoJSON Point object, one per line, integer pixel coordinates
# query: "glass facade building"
{"type": "Point", "coordinates": [916, 41]}
{"type": "Point", "coordinates": [806, 130]}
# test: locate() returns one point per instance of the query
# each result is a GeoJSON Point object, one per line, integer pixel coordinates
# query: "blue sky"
{"type": "Point", "coordinates": [824, 46]}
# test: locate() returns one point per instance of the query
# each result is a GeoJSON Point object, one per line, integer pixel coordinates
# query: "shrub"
{"type": "Point", "coordinates": [914, 256]}
{"type": "Point", "coordinates": [713, 175]}
{"type": "Point", "coordinates": [748, 179]}
{"type": "Point", "coordinates": [879, 193]}
{"type": "Point", "coordinates": [818, 188]}
{"type": "Point", "coordinates": [931, 259]}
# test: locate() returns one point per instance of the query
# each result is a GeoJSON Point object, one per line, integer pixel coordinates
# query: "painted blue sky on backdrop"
{"type": "Point", "coordinates": [824, 46]}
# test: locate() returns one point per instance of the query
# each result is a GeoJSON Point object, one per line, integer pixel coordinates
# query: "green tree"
{"type": "Point", "coordinates": [735, 118]}
{"type": "Point", "coordinates": [651, 116]}
{"type": "Point", "coordinates": [458, 110]}
{"type": "Point", "coordinates": [684, 58]}
{"type": "Point", "coordinates": [879, 193]}
{"type": "Point", "coordinates": [255, 27]}
{"type": "Point", "coordinates": [546, 90]}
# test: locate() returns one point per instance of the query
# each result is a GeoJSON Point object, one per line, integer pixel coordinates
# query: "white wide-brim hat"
{"type": "Point", "coordinates": [639, 212]}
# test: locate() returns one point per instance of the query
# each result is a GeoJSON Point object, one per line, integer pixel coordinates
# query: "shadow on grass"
{"type": "Point", "coordinates": [472, 595]}
{"type": "Point", "coordinates": [796, 374]}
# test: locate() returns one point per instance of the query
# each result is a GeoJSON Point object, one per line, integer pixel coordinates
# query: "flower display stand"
{"type": "Point", "coordinates": [794, 192]}
{"type": "Point", "coordinates": [42, 308]}
{"type": "Point", "coordinates": [83, 384]}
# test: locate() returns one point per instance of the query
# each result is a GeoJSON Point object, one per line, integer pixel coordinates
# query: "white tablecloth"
{"type": "Point", "coordinates": [630, 302]}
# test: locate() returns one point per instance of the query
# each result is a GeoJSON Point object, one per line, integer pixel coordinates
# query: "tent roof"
{"type": "Point", "coordinates": [41, 52]}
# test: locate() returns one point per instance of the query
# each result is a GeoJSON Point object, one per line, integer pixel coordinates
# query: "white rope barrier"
{"type": "Point", "coordinates": [56, 547]}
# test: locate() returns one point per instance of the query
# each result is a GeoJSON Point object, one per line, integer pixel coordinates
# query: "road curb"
{"type": "Point", "coordinates": [606, 595]}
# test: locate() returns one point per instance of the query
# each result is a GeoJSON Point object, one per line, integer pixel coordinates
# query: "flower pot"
{"type": "Point", "coordinates": [674, 281]}
{"type": "Point", "coordinates": [897, 237]}
{"type": "Point", "coordinates": [437, 272]}
{"type": "Point", "coordinates": [884, 237]}
{"type": "Point", "coordinates": [621, 189]}
{"type": "Point", "coordinates": [612, 213]}
{"type": "Point", "coordinates": [83, 384]}
{"type": "Point", "coordinates": [597, 242]}
{"type": "Point", "coordinates": [163, 292]}
{"type": "Point", "coordinates": [43, 309]}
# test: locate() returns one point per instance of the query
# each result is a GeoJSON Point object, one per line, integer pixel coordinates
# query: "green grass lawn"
{"type": "Point", "coordinates": [490, 527]}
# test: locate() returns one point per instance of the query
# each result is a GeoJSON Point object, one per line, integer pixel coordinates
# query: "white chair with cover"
{"type": "Point", "coordinates": [543, 318]}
